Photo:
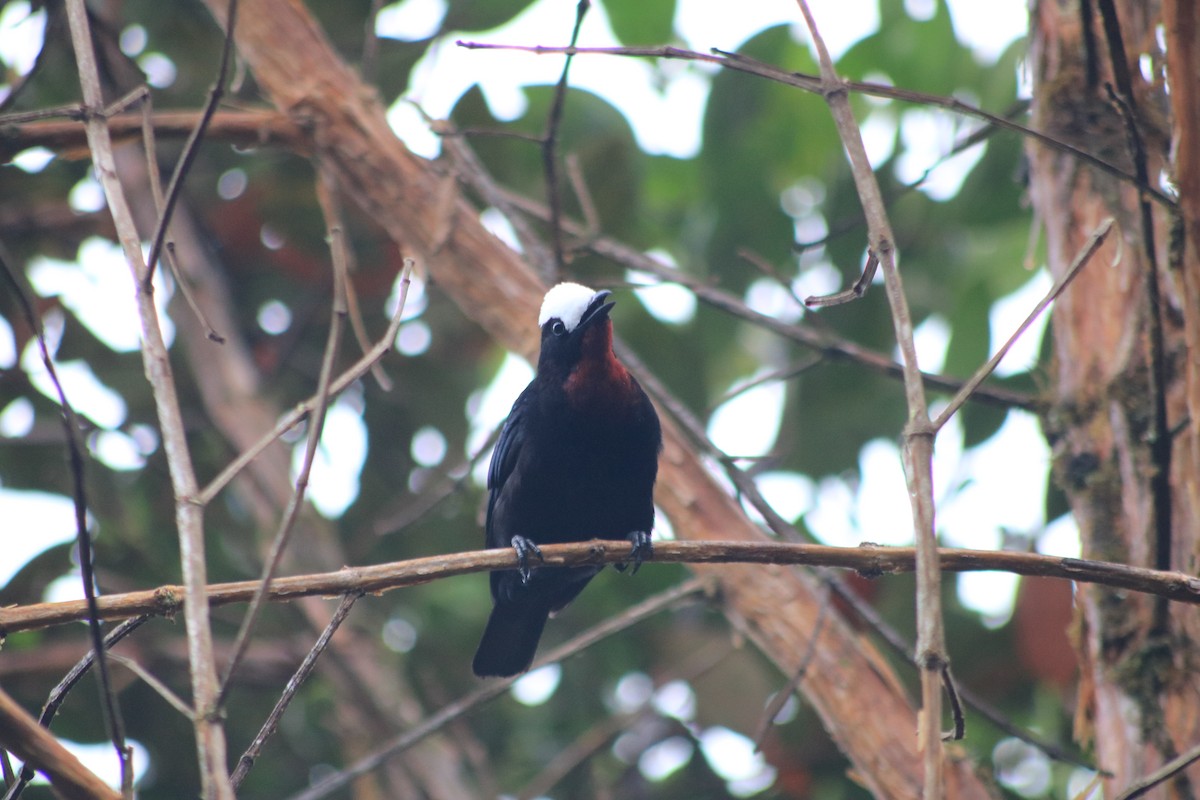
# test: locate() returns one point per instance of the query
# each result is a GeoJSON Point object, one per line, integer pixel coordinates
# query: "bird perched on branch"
{"type": "Point", "coordinates": [576, 460]}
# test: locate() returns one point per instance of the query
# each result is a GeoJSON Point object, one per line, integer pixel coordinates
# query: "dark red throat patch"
{"type": "Point", "coordinates": [599, 379]}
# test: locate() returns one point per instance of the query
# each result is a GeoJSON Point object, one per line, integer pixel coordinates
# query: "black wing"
{"type": "Point", "coordinates": [504, 459]}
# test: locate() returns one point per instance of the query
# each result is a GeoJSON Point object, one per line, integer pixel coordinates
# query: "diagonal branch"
{"type": "Point", "coordinates": [1081, 260]}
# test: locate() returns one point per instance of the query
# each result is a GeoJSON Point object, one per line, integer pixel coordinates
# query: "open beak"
{"type": "Point", "coordinates": [597, 310]}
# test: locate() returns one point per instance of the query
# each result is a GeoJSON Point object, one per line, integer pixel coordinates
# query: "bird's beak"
{"type": "Point", "coordinates": [597, 310]}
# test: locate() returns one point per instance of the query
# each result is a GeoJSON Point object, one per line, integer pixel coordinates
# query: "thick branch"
{"type": "Point", "coordinates": [20, 734]}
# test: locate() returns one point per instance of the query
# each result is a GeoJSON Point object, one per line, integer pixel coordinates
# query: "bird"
{"type": "Point", "coordinates": [576, 460]}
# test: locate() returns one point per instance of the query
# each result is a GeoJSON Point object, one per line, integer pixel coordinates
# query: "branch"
{"type": "Point", "coordinates": [210, 735]}
{"type": "Point", "coordinates": [827, 344]}
{"type": "Point", "coordinates": [868, 559]}
{"type": "Point", "coordinates": [493, 689]}
{"type": "Point", "coordinates": [246, 762]}
{"type": "Point", "coordinates": [33, 744]}
{"type": "Point", "coordinates": [337, 244]}
{"type": "Point", "coordinates": [812, 83]}
{"type": "Point", "coordinates": [1081, 260]}
{"type": "Point", "coordinates": [919, 433]}
{"type": "Point", "coordinates": [239, 128]}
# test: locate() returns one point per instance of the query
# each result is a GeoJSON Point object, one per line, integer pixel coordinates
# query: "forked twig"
{"type": "Point", "coordinates": [192, 146]}
{"type": "Point", "coordinates": [305, 408]}
{"type": "Point", "coordinates": [58, 694]}
{"type": "Point", "coordinates": [918, 434]}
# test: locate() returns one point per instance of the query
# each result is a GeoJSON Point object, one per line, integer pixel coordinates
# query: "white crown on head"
{"type": "Point", "coordinates": [566, 302]}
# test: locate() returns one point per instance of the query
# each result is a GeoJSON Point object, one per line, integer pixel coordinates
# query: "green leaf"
{"type": "Point", "coordinates": [640, 22]}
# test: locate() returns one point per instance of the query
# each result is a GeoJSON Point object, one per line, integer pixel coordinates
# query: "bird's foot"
{"type": "Point", "coordinates": [643, 548]}
{"type": "Point", "coordinates": [525, 548]}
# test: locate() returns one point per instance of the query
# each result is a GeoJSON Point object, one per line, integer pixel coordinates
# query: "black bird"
{"type": "Point", "coordinates": [576, 460]}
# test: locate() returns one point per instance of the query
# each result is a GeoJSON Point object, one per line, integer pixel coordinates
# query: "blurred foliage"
{"type": "Point", "coordinates": [760, 142]}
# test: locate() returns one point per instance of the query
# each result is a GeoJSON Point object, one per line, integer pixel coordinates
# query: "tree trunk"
{"type": "Point", "coordinates": [1124, 422]}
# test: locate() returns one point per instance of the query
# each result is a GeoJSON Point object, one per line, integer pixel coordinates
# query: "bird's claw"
{"type": "Point", "coordinates": [643, 548]}
{"type": "Point", "coordinates": [525, 548]}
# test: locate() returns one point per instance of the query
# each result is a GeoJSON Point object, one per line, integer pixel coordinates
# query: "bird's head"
{"type": "Point", "coordinates": [575, 327]}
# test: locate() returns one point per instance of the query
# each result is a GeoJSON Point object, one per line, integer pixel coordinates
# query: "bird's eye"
{"type": "Point", "coordinates": [558, 329]}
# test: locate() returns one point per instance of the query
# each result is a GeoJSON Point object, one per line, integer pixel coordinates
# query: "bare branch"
{"type": "Point", "coordinates": [918, 432]}
{"type": "Point", "coordinates": [302, 410]}
{"type": "Point", "coordinates": [550, 146]}
{"type": "Point", "coordinates": [1163, 773]}
{"type": "Point", "coordinates": [812, 83]}
{"type": "Point", "coordinates": [192, 146]}
{"type": "Point", "coordinates": [210, 735]}
{"type": "Point", "coordinates": [21, 735]}
{"type": "Point", "coordinates": [868, 559]}
{"type": "Point", "coordinates": [337, 324]}
{"type": "Point", "coordinates": [154, 683]}
{"type": "Point", "coordinates": [109, 708]}
{"type": "Point", "coordinates": [493, 689]}
{"type": "Point", "coordinates": [246, 762]}
{"type": "Point", "coordinates": [1081, 260]}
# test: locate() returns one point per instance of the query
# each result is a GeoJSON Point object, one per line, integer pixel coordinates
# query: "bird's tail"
{"type": "Point", "coordinates": [510, 638]}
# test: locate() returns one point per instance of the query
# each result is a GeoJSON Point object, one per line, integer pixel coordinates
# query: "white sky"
{"type": "Point", "coordinates": [1004, 477]}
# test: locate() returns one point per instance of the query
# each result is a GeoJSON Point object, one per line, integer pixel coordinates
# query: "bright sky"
{"type": "Point", "coordinates": [1004, 477]}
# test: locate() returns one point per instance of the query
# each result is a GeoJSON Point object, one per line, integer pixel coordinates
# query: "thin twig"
{"type": "Point", "coordinates": [550, 145]}
{"type": "Point", "coordinates": [1158, 437]}
{"type": "Point", "coordinates": [493, 689]}
{"type": "Point", "coordinates": [158, 686]}
{"type": "Point", "coordinates": [856, 291]}
{"type": "Point", "coordinates": [337, 323]}
{"type": "Point", "coordinates": [587, 206]}
{"type": "Point", "coordinates": [192, 146]}
{"type": "Point", "coordinates": [904, 649]}
{"type": "Point", "coordinates": [58, 694]}
{"type": "Point", "coordinates": [786, 373]}
{"type": "Point", "coordinates": [810, 649]}
{"type": "Point", "coordinates": [870, 560]}
{"type": "Point", "coordinates": [305, 408]}
{"type": "Point", "coordinates": [468, 166]}
{"type": "Point", "coordinates": [360, 328]}
{"type": "Point", "coordinates": [109, 708]}
{"type": "Point", "coordinates": [156, 192]}
{"type": "Point", "coordinates": [246, 762]}
{"type": "Point", "coordinates": [1163, 773]}
{"type": "Point", "coordinates": [956, 712]}
{"type": "Point", "coordinates": [832, 346]}
{"type": "Point", "coordinates": [1081, 260]}
{"type": "Point", "coordinates": [391, 522]}
{"type": "Point", "coordinates": [210, 734]}
{"type": "Point", "coordinates": [812, 83]}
